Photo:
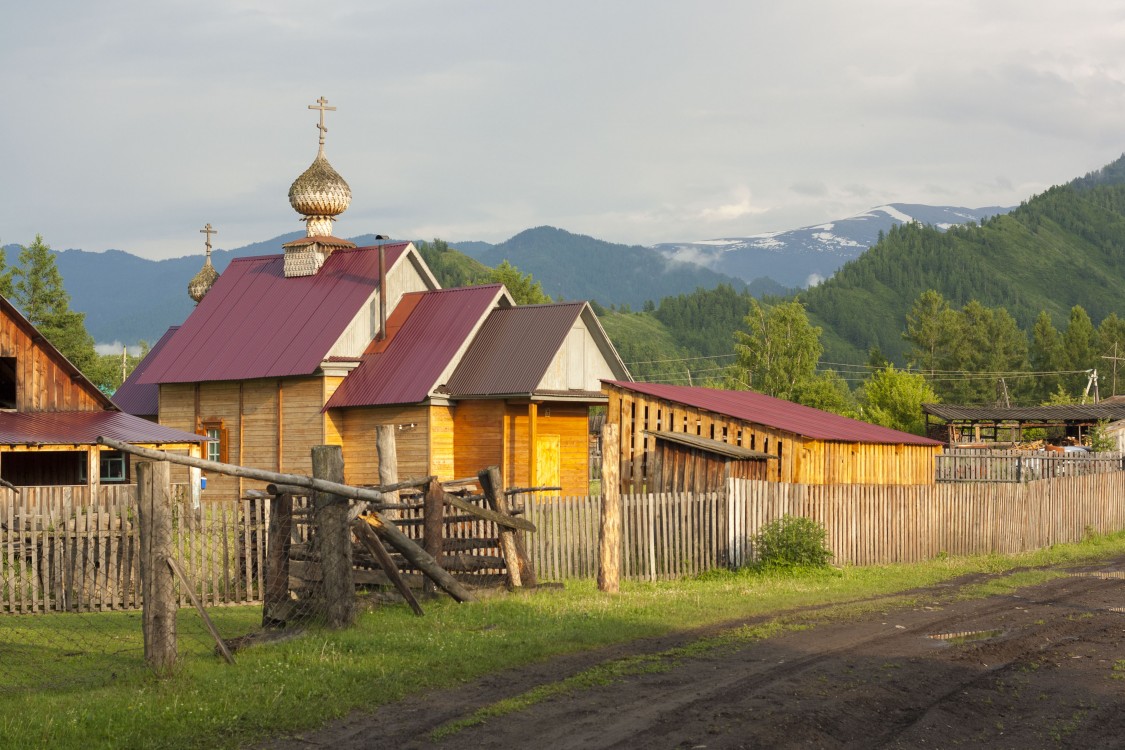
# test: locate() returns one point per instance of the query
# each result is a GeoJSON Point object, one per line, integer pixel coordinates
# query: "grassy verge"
{"type": "Point", "coordinates": [48, 696]}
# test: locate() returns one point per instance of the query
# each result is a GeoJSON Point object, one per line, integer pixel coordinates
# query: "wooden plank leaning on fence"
{"type": "Point", "coordinates": [520, 570]}
{"type": "Point", "coordinates": [285, 482]}
{"type": "Point", "coordinates": [154, 519]}
{"type": "Point", "coordinates": [609, 548]}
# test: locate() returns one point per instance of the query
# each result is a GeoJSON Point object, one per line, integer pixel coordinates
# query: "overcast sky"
{"type": "Point", "coordinates": [131, 124]}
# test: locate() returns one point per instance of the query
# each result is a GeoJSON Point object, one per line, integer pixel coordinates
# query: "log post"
{"type": "Point", "coordinates": [520, 570]}
{"type": "Point", "coordinates": [609, 547]}
{"type": "Point", "coordinates": [433, 529]}
{"type": "Point", "coordinates": [333, 540]}
{"type": "Point", "coordinates": [388, 464]}
{"type": "Point", "coordinates": [276, 604]}
{"type": "Point", "coordinates": [154, 521]}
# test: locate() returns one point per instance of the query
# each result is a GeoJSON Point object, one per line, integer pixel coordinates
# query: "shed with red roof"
{"type": "Point", "coordinates": [780, 441]}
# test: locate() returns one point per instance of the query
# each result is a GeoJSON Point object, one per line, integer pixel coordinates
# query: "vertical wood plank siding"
{"type": "Point", "coordinates": [668, 535]}
{"type": "Point", "coordinates": [60, 552]}
{"type": "Point", "coordinates": [800, 459]}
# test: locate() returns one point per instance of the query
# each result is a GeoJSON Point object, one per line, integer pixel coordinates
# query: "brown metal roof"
{"type": "Point", "coordinates": [513, 350]}
{"type": "Point", "coordinates": [142, 399]}
{"type": "Point", "coordinates": [256, 323]}
{"type": "Point", "coordinates": [1064, 413]}
{"type": "Point", "coordinates": [84, 428]}
{"type": "Point", "coordinates": [711, 446]}
{"type": "Point", "coordinates": [407, 371]}
{"type": "Point", "coordinates": [759, 408]}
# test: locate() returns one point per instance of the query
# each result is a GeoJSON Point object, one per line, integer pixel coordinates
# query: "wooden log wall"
{"type": "Point", "coordinates": [60, 553]}
{"type": "Point", "coordinates": [677, 534]}
{"type": "Point", "coordinates": [43, 381]}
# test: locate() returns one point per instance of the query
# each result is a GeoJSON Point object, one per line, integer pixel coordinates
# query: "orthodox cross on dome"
{"type": "Point", "coordinates": [322, 105]}
{"type": "Point", "coordinates": [207, 230]}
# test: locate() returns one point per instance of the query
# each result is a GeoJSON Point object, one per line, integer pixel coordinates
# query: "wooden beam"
{"type": "Point", "coordinates": [532, 436]}
{"type": "Point", "coordinates": [609, 547]}
{"type": "Point", "coordinates": [520, 570]}
{"type": "Point", "coordinates": [369, 539]}
{"type": "Point", "coordinates": [501, 519]}
{"type": "Point", "coordinates": [333, 539]}
{"type": "Point", "coordinates": [220, 644]}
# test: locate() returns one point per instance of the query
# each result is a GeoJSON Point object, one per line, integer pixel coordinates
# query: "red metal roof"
{"type": "Point", "coordinates": [407, 371]}
{"type": "Point", "coordinates": [758, 408]}
{"type": "Point", "coordinates": [255, 323]}
{"type": "Point", "coordinates": [84, 428]}
{"type": "Point", "coordinates": [142, 399]}
{"type": "Point", "coordinates": [523, 341]}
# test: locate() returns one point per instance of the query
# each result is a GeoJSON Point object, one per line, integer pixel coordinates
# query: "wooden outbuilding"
{"type": "Point", "coordinates": [677, 438]}
{"type": "Point", "coordinates": [51, 416]}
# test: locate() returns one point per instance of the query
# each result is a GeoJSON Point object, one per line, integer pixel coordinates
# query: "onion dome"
{"type": "Point", "coordinates": [202, 281]}
{"type": "Point", "coordinates": [319, 195]}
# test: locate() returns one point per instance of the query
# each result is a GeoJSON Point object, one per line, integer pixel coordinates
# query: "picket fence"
{"type": "Point", "coordinates": [63, 551]}
{"type": "Point", "coordinates": [60, 552]}
{"type": "Point", "coordinates": [673, 535]}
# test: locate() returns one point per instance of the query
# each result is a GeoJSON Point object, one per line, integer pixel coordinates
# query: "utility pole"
{"type": "Point", "coordinates": [1115, 359]}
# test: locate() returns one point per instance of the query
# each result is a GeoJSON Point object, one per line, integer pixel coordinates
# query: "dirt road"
{"type": "Point", "coordinates": [1042, 668]}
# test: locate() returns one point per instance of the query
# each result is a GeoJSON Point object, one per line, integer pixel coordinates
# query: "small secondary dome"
{"type": "Point", "coordinates": [202, 281]}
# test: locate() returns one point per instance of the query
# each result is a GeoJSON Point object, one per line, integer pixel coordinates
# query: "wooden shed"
{"type": "Point", "coordinates": [51, 416]}
{"type": "Point", "coordinates": [783, 441]}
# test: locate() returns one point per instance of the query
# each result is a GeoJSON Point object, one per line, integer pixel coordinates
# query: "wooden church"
{"type": "Point", "coordinates": [324, 342]}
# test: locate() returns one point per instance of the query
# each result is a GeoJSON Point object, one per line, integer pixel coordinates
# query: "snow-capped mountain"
{"type": "Point", "coordinates": [806, 256]}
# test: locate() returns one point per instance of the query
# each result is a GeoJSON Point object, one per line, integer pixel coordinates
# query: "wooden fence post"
{"type": "Point", "coordinates": [609, 540]}
{"type": "Point", "coordinates": [433, 525]}
{"type": "Point", "coordinates": [388, 465]}
{"type": "Point", "coordinates": [333, 539]}
{"type": "Point", "coordinates": [154, 521]}
{"type": "Point", "coordinates": [276, 604]}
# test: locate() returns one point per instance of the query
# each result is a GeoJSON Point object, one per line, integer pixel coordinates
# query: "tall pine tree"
{"type": "Point", "coordinates": [38, 292]}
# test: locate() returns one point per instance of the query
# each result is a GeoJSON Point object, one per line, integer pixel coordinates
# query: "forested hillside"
{"type": "Point", "coordinates": [1063, 248]}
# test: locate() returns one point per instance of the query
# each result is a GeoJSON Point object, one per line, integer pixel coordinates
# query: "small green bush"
{"type": "Point", "coordinates": [792, 542]}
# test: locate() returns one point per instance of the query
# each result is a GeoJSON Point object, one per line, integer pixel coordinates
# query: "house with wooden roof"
{"type": "Point", "coordinates": [327, 341]}
{"type": "Point", "coordinates": [51, 416]}
{"type": "Point", "coordinates": [677, 438]}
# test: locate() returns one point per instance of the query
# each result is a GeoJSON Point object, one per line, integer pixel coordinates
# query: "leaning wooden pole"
{"type": "Point", "coordinates": [520, 570]}
{"type": "Point", "coordinates": [609, 547]}
{"type": "Point", "coordinates": [154, 521]}
{"type": "Point", "coordinates": [294, 480]}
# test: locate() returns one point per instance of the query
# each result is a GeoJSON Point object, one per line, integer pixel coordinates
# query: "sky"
{"type": "Point", "coordinates": [131, 124]}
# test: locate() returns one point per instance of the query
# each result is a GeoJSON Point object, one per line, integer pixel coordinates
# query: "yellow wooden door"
{"type": "Point", "coordinates": [548, 460]}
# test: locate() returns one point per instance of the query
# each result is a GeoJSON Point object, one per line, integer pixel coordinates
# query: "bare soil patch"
{"type": "Point", "coordinates": [1044, 667]}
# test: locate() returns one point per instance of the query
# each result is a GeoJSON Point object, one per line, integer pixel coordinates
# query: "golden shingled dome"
{"type": "Point", "coordinates": [320, 191]}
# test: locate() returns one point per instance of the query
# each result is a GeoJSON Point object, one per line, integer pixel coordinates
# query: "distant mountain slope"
{"type": "Point", "coordinates": [805, 256]}
{"type": "Point", "coordinates": [1059, 249]}
{"type": "Point", "coordinates": [575, 266]}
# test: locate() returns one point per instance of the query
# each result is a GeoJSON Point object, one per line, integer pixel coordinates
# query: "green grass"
{"type": "Point", "coordinates": [79, 681]}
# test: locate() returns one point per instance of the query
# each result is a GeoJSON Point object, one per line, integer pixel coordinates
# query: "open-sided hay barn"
{"type": "Point", "coordinates": [689, 438]}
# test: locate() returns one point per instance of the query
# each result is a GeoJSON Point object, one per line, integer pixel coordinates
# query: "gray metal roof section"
{"type": "Point", "coordinates": [1066, 413]}
{"type": "Point", "coordinates": [513, 350]}
{"type": "Point", "coordinates": [711, 446]}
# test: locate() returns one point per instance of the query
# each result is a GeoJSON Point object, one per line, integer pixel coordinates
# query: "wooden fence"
{"type": "Point", "coordinates": [667, 536]}
{"type": "Point", "coordinates": [60, 552]}
{"type": "Point", "coordinates": [986, 465]}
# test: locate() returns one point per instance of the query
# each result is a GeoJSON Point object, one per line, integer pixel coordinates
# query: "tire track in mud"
{"type": "Point", "coordinates": [712, 699]}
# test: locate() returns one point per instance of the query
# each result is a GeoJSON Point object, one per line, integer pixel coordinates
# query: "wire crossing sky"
{"type": "Point", "coordinates": [130, 124]}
